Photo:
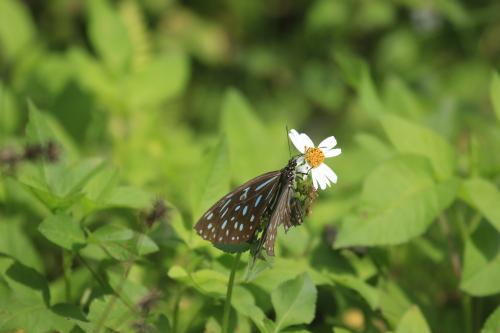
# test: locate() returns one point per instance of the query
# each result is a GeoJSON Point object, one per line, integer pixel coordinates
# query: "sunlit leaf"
{"type": "Point", "coordinates": [492, 324]}
{"type": "Point", "coordinates": [481, 268]}
{"type": "Point", "coordinates": [15, 17]}
{"type": "Point", "coordinates": [109, 35]}
{"type": "Point", "coordinates": [413, 322]}
{"type": "Point", "coordinates": [370, 294]}
{"type": "Point", "coordinates": [411, 138]}
{"type": "Point", "coordinates": [212, 180]}
{"type": "Point", "coordinates": [16, 243]}
{"type": "Point", "coordinates": [294, 302]}
{"type": "Point", "coordinates": [399, 201]}
{"type": "Point", "coordinates": [484, 196]}
{"type": "Point", "coordinates": [122, 243]}
{"type": "Point", "coordinates": [160, 80]}
{"type": "Point", "coordinates": [63, 230]}
{"type": "Point", "coordinates": [249, 140]}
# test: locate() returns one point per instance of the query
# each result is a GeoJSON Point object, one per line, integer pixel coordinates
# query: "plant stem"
{"type": "Point", "coordinates": [227, 304]}
{"type": "Point", "coordinates": [175, 315]}
{"type": "Point", "coordinates": [467, 307]}
{"type": "Point", "coordinates": [114, 297]}
{"type": "Point", "coordinates": [452, 250]}
{"type": "Point", "coordinates": [67, 258]}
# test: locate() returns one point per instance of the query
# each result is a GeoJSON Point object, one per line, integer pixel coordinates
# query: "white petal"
{"type": "Point", "coordinates": [306, 140]}
{"type": "Point", "coordinates": [328, 173]}
{"type": "Point", "coordinates": [332, 152]}
{"type": "Point", "coordinates": [315, 181]}
{"type": "Point", "coordinates": [320, 179]}
{"type": "Point", "coordinates": [328, 143]}
{"type": "Point", "coordinates": [296, 140]}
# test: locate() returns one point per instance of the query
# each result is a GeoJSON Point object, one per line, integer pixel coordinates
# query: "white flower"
{"type": "Point", "coordinates": [313, 157]}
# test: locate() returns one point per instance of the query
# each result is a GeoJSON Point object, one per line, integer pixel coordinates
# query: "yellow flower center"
{"type": "Point", "coordinates": [314, 156]}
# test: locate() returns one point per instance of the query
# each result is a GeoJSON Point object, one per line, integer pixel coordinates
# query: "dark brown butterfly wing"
{"type": "Point", "coordinates": [281, 215]}
{"type": "Point", "coordinates": [235, 217]}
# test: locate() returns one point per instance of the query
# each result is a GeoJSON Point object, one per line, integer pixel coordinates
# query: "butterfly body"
{"type": "Point", "coordinates": [255, 208]}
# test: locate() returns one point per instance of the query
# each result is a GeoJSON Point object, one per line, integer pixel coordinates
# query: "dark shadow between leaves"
{"type": "Point", "coordinates": [30, 278]}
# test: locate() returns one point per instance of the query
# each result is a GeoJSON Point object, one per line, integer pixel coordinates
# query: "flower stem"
{"type": "Point", "coordinates": [227, 304]}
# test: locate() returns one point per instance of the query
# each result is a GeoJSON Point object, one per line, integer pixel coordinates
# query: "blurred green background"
{"type": "Point", "coordinates": [188, 99]}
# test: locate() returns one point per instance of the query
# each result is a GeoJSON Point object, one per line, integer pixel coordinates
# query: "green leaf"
{"type": "Point", "coordinates": [63, 230]}
{"type": "Point", "coordinates": [42, 128]}
{"type": "Point", "coordinates": [249, 140]}
{"type": "Point", "coordinates": [117, 317]}
{"type": "Point", "coordinates": [492, 324]}
{"type": "Point", "coordinates": [212, 179]}
{"type": "Point", "coordinates": [109, 35]}
{"type": "Point", "coordinates": [162, 79]}
{"type": "Point", "coordinates": [10, 116]}
{"type": "Point", "coordinates": [369, 293]}
{"type": "Point", "coordinates": [393, 302]}
{"type": "Point", "coordinates": [481, 268]}
{"type": "Point", "coordinates": [25, 299]}
{"type": "Point", "coordinates": [122, 243]}
{"type": "Point", "coordinates": [15, 243]}
{"type": "Point", "coordinates": [413, 322]}
{"type": "Point", "coordinates": [244, 303]}
{"type": "Point", "coordinates": [399, 201]}
{"type": "Point", "coordinates": [129, 197]}
{"type": "Point", "coordinates": [484, 196]}
{"type": "Point", "coordinates": [495, 94]}
{"type": "Point", "coordinates": [99, 187]}
{"type": "Point", "coordinates": [206, 281]}
{"type": "Point", "coordinates": [17, 30]}
{"type": "Point", "coordinates": [411, 138]}
{"type": "Point", "coordinates": [294, 302]}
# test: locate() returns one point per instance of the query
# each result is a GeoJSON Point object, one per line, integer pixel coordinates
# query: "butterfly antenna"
{"type": "Point", "coordinates": [288, 141]}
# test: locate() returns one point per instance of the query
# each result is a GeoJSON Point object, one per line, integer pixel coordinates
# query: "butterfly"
{"type": "Point", "coordinates": [256, 208]}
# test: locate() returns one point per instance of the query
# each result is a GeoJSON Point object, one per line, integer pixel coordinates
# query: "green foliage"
{"type": "Point", "coordinates": [294, 302]}
{"type": "Point", "coordinates": [412, 322]}
{"type": "Point", "coordinates": [107, 107]}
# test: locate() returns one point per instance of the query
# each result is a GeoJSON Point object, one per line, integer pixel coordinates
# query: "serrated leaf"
{"type": "Point", "coordinates": [399, 201]}
{"type": "Point", "coordinates": [412, 138]}
{"type": "Point", "coordinates": [25, 301]}
{"type": "Point", "coordinates": [294, 302]}
{"type": "Point", "coordinates": [413, 322]}
{"type": "Point", "coordinates": [206, 281]}
{"type": "Point", "coordinates": [108, 35]}
{"type": "Point", "coordinates": [122, 243]}
{"type": "Point", "coordinates": [63, 230]}
{"type": "Point", "coordinates": [481, 268]}
{"type": "Point", "coordinates": [484, 196]}
{"type": "Point", "coordinates": [495, 94]}
{"type": "Point", "coordinates": [212, 179]}
{"type": "Point", "coordinates": [99, 187]}
{"type": "Point", "coordinates": [492, 324]}
{"type": "Point", "coordinates": [118, 317]}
